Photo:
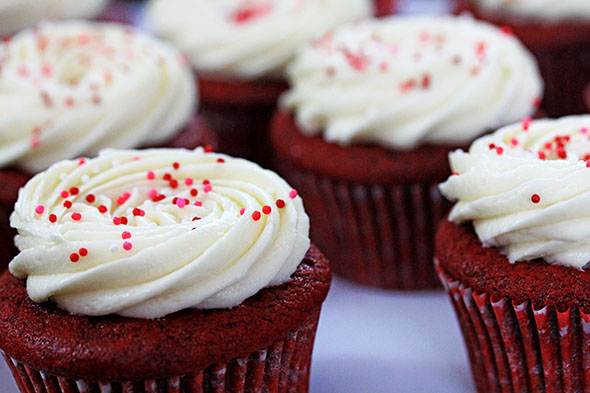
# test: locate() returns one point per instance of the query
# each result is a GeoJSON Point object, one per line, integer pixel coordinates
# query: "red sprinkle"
{"type": "Point", "coordinates": [514, 142]}
{"type": "Point", "coordinates": [167, 176]}
{"type": "Point", "coordinates": [40, 209]}
{"type": "Point", "coordinates": [102, 209]}
{"type": "Point", "coordinates": [90, 198]}
{"type": "Point", "coordinates": [83, 252]}
{"type": "Point", "coordinates": [293, 194]}
{"type": "Point", "coordinates": [64, 194]}
{"type": "Point", "coordinates": [492, 146]}
{"type": "Point", "coordinates": [123, 198]}
{"type": "Point", "coordinates": [138, 212]}
{"type": "Point", "coordinates": [280, 203]}
{"type": "Point", "coordinates": [194, 192]}
{"type": "Point", "coordinates": [266, 209]}
{"type": "Point", "coordinates": [74, 191]}
{"type": "Point", "coordinates": [67, 204]}
{"type": "Point", "coordinates": [81, 161]}
{"type": "Point", "coordinates": [117, 220]}
{"type": "Point", "coordinates": [198, 203]}
{"type": "Point", "coordinates": [587, 164]}
{"type": "Point", "coordinates": [220, 160]}
{"type": "Point", "coordinates": [76, 216]}
{"type": "Point", "coordinates": [526, 123]}
{"type": "Point", "coordinates": [173, 183]}
{"type": "Point", "coordinates": [126, 235]}
{"type": "Point", "coordinates": [52, 218]}
{"type": "Point", "coordinates": [256, 215]}
{"type": "Point", "coordinates": [561, 153]}
{"type": "Point", "coordinates": [127, 246]}
{"type": "Point", "coordinates": [207, 187]}
{"type": "Point", "coordinates": [176, 165]}
{"type": "Point", "coordinates": [206, 181]}
{"type": "Point", "coordinates": [542, 155]}
{"type": "Point", "coordinates": [208, 149]}
{"type": "Point", "coordinates": [536, 198]}
{"type": "Point", "coordinates": [74, 257]}
{"type": "Point", "coordinates": [242, 210]}
{"type": "Point", "coordinates": [455, 174]}
{"type": "Point", "coordinates": [188, 181]}
{"type": "Point", "coordinates": [124, 220]}
{"type": "Point", "coordinates": [196, 218]}
{"type": "Point", "coordinates": [499, 150]}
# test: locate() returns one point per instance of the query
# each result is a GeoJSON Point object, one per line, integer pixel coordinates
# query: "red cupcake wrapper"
{"type": "Point", "coordinates": [521, 347]}
{"type": "Point", "coordinates": [385, 7]}
{"type": "Point", "coordinates": [378, 235]}
{"type": "Point", "coordinates": [283, 367]}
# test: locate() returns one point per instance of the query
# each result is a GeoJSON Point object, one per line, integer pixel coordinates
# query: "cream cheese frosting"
{"type": "Point", "coordinates": [18, 14]}
{"type": "Point", "coordinates": [248, 39]}
{"type": "Point", "coordinates": [550, 10]}
{"type": "Point", "coordinates": [73, 88]}
{"type": "Point", "coordinates": [147, 233]}
{"type": "Point", "coordinates": [526, 188]}
{"type": "Point", "coordinates": [404, 81]}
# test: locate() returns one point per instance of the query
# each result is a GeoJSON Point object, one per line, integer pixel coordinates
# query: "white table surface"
{"type": "Point", "coordinates": [375, 341]}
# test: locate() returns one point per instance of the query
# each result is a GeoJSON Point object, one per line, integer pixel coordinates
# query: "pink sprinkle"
{"type": "Point", "coordinates": [23, 70]}
{"type": "Point", "coordinates": [584, 130]}
{"type": "Point", "coordinates": [152, 193]}
{"type": "Point", "coordinates": [127, 246]}
{"type": "Point", "coordinates": [188, 181]}
{"type": "Point", "coordinates": [151, 175]}
{"type": "Point", "coordinates": [526, 123]}
{"type": "Point", "coordinates": [198, 203]}
{"type": "Point", "coordinates": [242, 210]}
{"type": "Point", "coordinates": [81, 161]}
{"type": "Point", "coordinates": [123, 198]}
{"type": "Point", "coordinates": [46, 70]}
{"type": "Point", "coordinates": [40, 209]}
{"type": "Point", "coordinates": [65, 194]}
{"type": "Point", "coordinates": [207, 187]}
{"type": "Point", "coordinates": [514, 142]}
{"type": "Point", "coordinates": [293, 194]}
{"type": "Point", "coordinates": [180, 202]}
{"type": "Point", "coordinates": [126, 235]}
{"type": "Point", "coordinates": [499, 150]}
{"type": "Point", "coordinates": [76, 216]}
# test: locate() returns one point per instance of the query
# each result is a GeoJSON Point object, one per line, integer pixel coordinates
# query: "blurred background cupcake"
{"type": "Point", "coordinates": [239, 50]}
{"type": "Point", "coordinates": [172, 269]}
{"type": "Point", "coordinates": [514, 254]}
{"type": "Point", "coordinates": [364, 133]}
{"type": "Point", "coordinates": [558, 34]}
{"type": "Point", "coordinates": [72, 88]}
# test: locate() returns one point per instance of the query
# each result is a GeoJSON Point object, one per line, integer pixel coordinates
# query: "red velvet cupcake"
{"type": "Point", "coordinates": [73, 88]}
{"type": "Point", "coordinates": [558, 34]}
{"type": "Point", "coordinates": [513, 256]}
{"type": "Point", "coordinates": [239, 50]}
{"type": "Point", "coordinates": [385, 7]}
{"type": "Point", "coordinates": [365, 130]}
{"type": "Point", "coordinates": [204, 259]}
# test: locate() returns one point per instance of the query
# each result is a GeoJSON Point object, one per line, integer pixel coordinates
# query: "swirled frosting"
{"type": "Point", "coordinates": [18, 14]}
{"type": "Point", "coordinates": [74, 88]}
{"type": "Point", "coordinates": [405, 81]}
{"type": "Point", "coordinates": [526, 188]}
{"type": "Point", "coordinates": [550, 10]}
{"type": "Point", "coordinates": [248, 39]}
{"type": "Point", "coordinates": [147, 233]}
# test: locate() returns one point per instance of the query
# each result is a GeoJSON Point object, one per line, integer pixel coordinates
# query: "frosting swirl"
{"type": "Point", "coordinates": [18, 14]}
{"type": "Point", "coordinates": [248, 39]}
{"type": "Point", "coordinates": [526, 188]}
{"type": "Point", "coordinates": [147, 233]}
{"type": "Point", "coordinates": [405, 81]}
{"type": "Point", "coordinates": [549, 10]}
{"type": "Point", "coordinates": [73, 88]}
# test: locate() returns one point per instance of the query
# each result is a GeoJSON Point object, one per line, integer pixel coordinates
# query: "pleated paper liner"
{"type": "Point", "coordinates": [521, 347]}
{"type": "Point", "coordinates": [377, 235]}
{"type": "Point", "coordinates": [562, 51]}
{"type": "Point", "coordinates": [283, 367]}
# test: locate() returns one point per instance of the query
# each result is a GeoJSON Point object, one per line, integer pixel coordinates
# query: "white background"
{"type": "Point", "coordinates": [374, 341]}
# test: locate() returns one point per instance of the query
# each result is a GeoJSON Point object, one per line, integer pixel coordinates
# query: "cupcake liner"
{"type": "Point", "coordinates": [385, 7]}
{"type": "Point", "coordinates": [521, 347]}
{"type": "Point", "coordinates": [283, 367]}
{"type": "Point", "coordinates": [378, 235]}
{"type": "Point", "coordinates": [562, 52]}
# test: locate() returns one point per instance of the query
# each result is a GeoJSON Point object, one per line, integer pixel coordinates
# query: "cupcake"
{"type": "Point", "coordinates": [169, 268]}
{"type": "Point", "coordinates": [514, 251]}
{"type": "Point", "coordinates": [239, 50]}
{"type": "Point", "coordinates": [385, 7]}
{"type": "Point", "coordinates": [72, 88]}
{"type": "Point", "coordinates": [364, 133]}
{"type": "Point", "coordinates": [558, 34]}
{"type": "Point", "coordinates": [19, 14]}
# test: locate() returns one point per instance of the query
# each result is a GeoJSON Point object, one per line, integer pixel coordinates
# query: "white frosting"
{"type": "Point", "coordinates": [175, 261]}
{"type": "Point", "coordinates": [73, 88]}
{"type": "Point", "coordinates": [248, 39]}
{"type": "Point", "coordinates": [550, 10]}
{"type": "Point", "coordinates": [409, 80]}
{"type": "Point", "coordinates": [533, 199]}
{"type": "Point", "coordinates": [18, 14]}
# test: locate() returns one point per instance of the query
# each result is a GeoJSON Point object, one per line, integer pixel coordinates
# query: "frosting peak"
{"type": "Point", "coordinates": [526, 188]}
{"type": "Point", "coordinates": [409, 80]}
{"type": "Point", "coordinates": [248, 39]}
{"type": "Point", "coordinates": [147, 233]}
{"type": "Point", "coordinates": [73, 88]}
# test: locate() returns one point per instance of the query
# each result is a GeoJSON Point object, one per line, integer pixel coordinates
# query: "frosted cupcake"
{"type": "Point", "coordinates": [558, 34]}
{"type": "Point", "coordinates": [364, 133]}
{"type": "Point", "coordinates": [239, 50]}
{"type": "Point", "coordinates": [19, 14]}
{"type": "Point", "coordinates": [170, 268]}
{"type": "Point", "coordinates": [73, 88]}
{"type": "Point", "coordinates": [514, 255]}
